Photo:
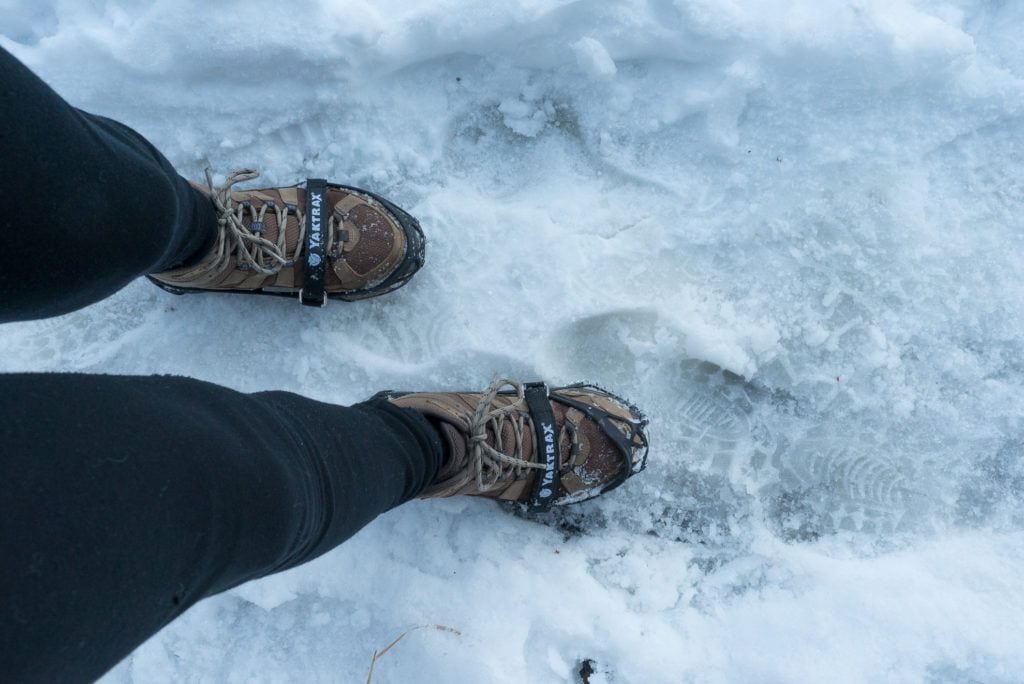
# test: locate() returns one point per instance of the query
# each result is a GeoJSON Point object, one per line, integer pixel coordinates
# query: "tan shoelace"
{"type": "Point", "coordinates": [252, 251]}
{"type": "Point", "coordinates": [492, 459]}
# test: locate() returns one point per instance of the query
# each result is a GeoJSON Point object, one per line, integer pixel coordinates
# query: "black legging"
{"type": "Point", "coordinates": [124, 500]}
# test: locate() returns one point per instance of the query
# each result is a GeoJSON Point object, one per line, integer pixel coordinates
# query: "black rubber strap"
{"type": "Point", "coordinates": [312, 292]}
{"type": "Point", "coordinates": [545, 445]}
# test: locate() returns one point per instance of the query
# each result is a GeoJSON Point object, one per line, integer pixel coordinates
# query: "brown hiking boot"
{"type": "Point", "coordinates": [338, 242]}
{"type": "Point", "coordinates": [590, 441]}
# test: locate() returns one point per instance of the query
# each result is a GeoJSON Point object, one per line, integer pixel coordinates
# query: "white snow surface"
{"type": "Point", "coordinates": [790, 231]}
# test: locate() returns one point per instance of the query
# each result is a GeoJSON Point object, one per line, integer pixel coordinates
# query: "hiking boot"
{"type": "Point", "coordinates": [337, 242]}
{"type": "Point", "coordinates": [590, 441]}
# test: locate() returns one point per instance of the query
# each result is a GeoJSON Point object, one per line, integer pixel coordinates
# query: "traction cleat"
{"type": "Point", "coordinates": [315, 242]}
{"type": "Point", "coordinates": [530, 444]}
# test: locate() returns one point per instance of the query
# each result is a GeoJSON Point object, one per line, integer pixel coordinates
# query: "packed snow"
{"type": "Point", "coordinates": [791, 231]}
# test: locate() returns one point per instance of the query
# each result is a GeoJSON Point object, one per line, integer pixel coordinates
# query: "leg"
{"type": "Point", "coordinates": [88, 204]}
{"type": "Point", "coordinates": [124, 500]}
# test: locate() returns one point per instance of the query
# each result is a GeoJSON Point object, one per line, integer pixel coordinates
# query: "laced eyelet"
{"type": "Point", "coordinates": [246, 245]}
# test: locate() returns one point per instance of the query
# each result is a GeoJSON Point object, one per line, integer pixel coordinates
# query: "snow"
{"type": "Point", "coordinates": [789, 230]}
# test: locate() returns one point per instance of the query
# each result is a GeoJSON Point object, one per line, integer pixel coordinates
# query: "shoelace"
{"type": "Point", "coordinates": [492, 459]}
{"type": "Point", "coordinates": [253, 251]}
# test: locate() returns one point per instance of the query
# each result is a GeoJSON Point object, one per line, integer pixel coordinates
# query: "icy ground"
{"type": "Point", "coordinates": [790, 230]}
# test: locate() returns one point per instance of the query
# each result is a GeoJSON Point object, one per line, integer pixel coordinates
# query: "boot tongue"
{"type": "Point", "coordinates": [455, 442]}
{"type": "Point", "coordinates": [451, 426]}
{"type": "Point", "coordinates": [455, 450]}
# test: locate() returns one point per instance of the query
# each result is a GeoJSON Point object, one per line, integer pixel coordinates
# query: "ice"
{"type": "Point", "coordinates": [789, 230]}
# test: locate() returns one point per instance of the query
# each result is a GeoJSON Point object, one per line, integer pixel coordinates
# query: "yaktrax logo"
{"type": "Point", "coordinates": [549, 453]}
{"type": "Point", "coordinates": [315, 235]}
